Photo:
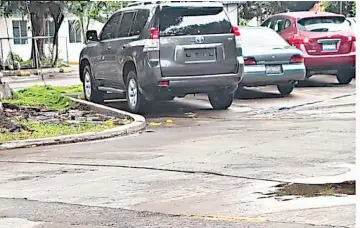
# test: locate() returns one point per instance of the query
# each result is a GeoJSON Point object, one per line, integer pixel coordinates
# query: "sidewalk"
{"type": "Point", "coordinates": [58, 79]}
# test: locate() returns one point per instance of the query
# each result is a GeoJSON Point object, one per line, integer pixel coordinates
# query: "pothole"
{"type": "Point", "coordinates": [313, 190]}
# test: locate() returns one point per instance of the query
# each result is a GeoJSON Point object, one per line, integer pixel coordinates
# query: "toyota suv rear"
{"type": "Point", "coordinates": [160, 51]}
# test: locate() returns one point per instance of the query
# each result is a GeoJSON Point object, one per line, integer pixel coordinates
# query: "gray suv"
{"type": "Point", "coordinates": [148, 52]}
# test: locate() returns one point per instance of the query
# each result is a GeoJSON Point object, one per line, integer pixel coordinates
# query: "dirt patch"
{"type": "Point", "coordinates": [313, 190]}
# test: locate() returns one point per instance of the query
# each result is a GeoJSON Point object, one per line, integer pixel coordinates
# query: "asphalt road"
{"type": "Point", "coordinates": [195, 167]}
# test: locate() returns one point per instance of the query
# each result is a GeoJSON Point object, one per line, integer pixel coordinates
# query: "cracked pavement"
{"type": "Point", "coordinates": [204, 168]}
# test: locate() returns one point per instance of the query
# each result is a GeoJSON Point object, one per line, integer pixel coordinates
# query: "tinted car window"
{"type": "Point", "coordinates": [287, 24]}
{"type": "Point", "coordinates": [140, 21]}
{"type": "Point", "coordinates": [280, 24]}
{"type": "Point", "coordinates": [323, 24]}
{"type": "Point", "coordinates": [255, 38]}
{"type": "Point", "coordinates": [179, 21]}
{"type": "Point", "coordinates": [126, 23]}
{"type": "Point", "coordinates": [110, 28]}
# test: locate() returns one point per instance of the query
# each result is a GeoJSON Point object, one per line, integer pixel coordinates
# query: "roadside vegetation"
{"type": "Point", "coordinates": [35, 129]}
{"type": "Point", "coordinates": [44, 97]}
{"type": "Point", "coordinates": [43, 111]}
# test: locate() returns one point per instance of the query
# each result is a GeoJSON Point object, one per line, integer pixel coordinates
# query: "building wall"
{"type": "Point", "coordinates": [67, 51]}
{"type": "Point", "coordinates": [231, 9]}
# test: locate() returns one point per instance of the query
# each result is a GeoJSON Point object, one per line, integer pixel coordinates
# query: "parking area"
{"type": "Point", "coordinates": [204, 166]}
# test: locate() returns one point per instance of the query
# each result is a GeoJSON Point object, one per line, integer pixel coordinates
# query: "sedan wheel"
{"type": "Point", "coordinates": [285, 89]}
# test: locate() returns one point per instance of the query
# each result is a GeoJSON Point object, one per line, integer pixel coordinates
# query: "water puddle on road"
{"type": "Point", "coordinates": [314, 190]}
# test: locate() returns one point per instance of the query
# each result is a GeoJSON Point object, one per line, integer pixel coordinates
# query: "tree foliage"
{"type": "Point", "coordinates": [100, 11]}
{"type": "Point", "coordinates": [347, 7]}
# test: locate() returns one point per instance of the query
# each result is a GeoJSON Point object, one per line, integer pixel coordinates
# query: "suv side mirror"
{"type": "Point", "coordinates": [91, 35]}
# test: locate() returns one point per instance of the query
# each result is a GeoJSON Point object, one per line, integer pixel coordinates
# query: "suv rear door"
{"type": "Point", "coordinates": [196, 40]}
{"type": "Point", "coordinates": [326, 35]}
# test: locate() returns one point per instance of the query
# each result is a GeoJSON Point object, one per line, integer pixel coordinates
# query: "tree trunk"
{"type": "Point", "coordinates": [38, 20]}
{"type": "Point", "coordinates": [57, 21]}
{"type": "Point", "coordinates": [58, 17]}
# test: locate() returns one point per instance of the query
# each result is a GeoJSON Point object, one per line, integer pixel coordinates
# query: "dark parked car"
{"type": "Point", "coordinates": [160, 51]}
{"type": "Point", "coordinates": [326, 40]}
{"type": "Point", "coordinates": [273, 62]}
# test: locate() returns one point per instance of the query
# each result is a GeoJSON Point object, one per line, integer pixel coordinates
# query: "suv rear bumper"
{"type": "Point", "coordinates": [182, 85]}
{"type": "Point", "coordinates": [325, 63]}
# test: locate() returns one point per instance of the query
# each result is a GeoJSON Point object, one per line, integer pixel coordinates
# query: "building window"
{"type": "Point", "coordinates": [74, 32]}
{"type": "Point", "coordinates": [49, 31]}
{"type": "Point", "coordinates": [20, 32]}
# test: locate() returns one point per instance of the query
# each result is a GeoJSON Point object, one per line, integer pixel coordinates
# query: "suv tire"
{"type": "Point", "coordinates": [221, 100]}
{"type": "Point", "coordinates": [344, 77]}
{"type": "Point", "coordinates": [91, 93]}
{"type": "Point", "coordinates": [285, 89]}
{"type": "Point", "coordinates": [135, 100]}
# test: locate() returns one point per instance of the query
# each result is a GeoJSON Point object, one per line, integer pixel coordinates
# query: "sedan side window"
{"type": "Point", "coordinates": [266, 23]}
{"type": "Point", "coordinates": [126, 23]}
{"type": "Point", "coordinates": [110, 29]}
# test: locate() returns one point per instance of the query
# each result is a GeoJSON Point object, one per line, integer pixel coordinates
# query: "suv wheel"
{"type": "Point", "coordinates": [91, 93]}
{"type": "Point", "coordinates": [135, 100]}
{"type": "Point", "coordinates": [285, 89]}
{"type": "Point", "coordinates": [221, 100]}
{"type": "Point", "coordinates": [344, 77]}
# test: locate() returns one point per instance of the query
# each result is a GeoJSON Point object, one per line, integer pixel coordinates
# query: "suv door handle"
{"type": "Point", "coordinates": [108, 47]}
{"type": "Point", "coordinates": [125, 46]}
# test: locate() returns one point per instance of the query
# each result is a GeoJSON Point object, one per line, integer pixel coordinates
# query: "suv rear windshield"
{"type": "Point", "coordinates": [180, 21]}
{"type": "Point", "coordinates": [323, 24]}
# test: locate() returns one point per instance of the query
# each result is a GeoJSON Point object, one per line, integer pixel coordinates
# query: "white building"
{"type": "Point", "coordinates": [231, 8]}
{"type": "Point", "coordinates": [18, 28]}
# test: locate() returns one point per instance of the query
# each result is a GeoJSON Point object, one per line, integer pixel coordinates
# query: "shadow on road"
{"type": "Point", "coordinates": [321, 81]}
{"type": "Point", "coordinates": [179, 108]}
{"type": "Point", "coordinates": [247, 94]}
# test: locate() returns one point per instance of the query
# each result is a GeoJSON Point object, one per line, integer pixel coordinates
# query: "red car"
{"type": "Point", "coordinates": [326, 40]}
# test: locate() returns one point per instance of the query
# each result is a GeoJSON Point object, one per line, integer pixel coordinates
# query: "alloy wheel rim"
{"type": "Point", "coordinates": [133, 93]}
{"type": "Point", "coordinates": [87, 85]}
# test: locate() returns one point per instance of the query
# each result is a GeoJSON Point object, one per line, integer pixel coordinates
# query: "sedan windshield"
{"type": "Point", "coordinates": [260, 37]}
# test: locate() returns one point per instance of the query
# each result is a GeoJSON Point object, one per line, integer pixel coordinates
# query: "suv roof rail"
{"type": "Point", "coordinates": [143, 3]}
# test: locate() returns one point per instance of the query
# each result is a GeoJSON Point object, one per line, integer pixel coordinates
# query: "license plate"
{"type": "Point", "coordinates": [329, 47]}
{"type": "Point", "coordinates": [273, 69]}
{"type": "Point", "coordinates": [201, 54]}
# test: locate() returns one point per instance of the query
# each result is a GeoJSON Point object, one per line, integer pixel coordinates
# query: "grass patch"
{"type": "Point", "coordinates": [312, 190]}
{"type": "Point", "coordinates": [43, 130]}
{"type": "Point", "coordinates": [49, 97]}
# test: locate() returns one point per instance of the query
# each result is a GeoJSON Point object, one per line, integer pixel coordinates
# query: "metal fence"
{"type": "Point", "coordinates": [15, 52]}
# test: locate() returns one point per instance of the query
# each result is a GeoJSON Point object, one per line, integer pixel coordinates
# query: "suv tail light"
{"type": "Point", "coordinates": [297, 59]}
{"type": "Point", "coordinates": [249, 61]}
{"type": "Point", "coordinates": [236, 31]}
{"type": "Point", "coordinates": [152, 44]}
{"type": "Point", "coordinates": [298, 39]}
{"type": "Point", "coordinates": [351, 38]}
{"type": "Point", "coordinates": [154, 33]}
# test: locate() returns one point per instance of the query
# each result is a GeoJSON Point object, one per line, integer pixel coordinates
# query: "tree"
{"type": "Point", "coordinates": [261, 9]}
{"type": "Point", "coordinates": [37, 11]}
{"type": "Point", "coordinates": [99, 10]}
{"type": "Point", "coordinates": [56, 10]}
{"type": "Point", "coordinates": [346, 8]}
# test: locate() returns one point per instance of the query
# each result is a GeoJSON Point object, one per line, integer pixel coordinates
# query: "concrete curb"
{"type": "Point", "coordinates": [28, 72]}
{"type": "Point", "coordinates": [138, 124]}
